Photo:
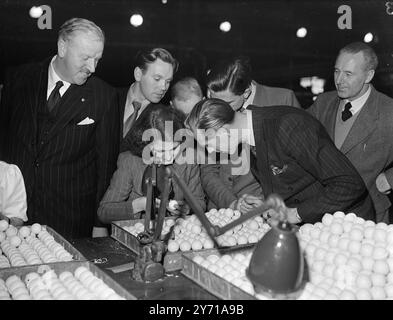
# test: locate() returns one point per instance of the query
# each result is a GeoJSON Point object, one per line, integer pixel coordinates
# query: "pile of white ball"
{"type": "Point", "coordinates": [80, 285]}
{"type": "Point", "coordinates": [29, 245]}
{"type": "Point", "coordinates": [230, 267]}
{"type": "Point", "coordinates": [348, 258]}
{"type": "Point", "coordinates": [139, 227]}
{"type": "Point", "coordinates": [189, 234]}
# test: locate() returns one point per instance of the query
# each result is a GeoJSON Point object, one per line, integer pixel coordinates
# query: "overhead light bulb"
{"type": "Point", "coordinates": [368, 37]}
{"type": "Point", "coordinates": [136, 20]}
{"type": "Point", "coordinates": [36, 12]}
{"type": "Point", "coordinates": [301, 32]}
{"type": "Point", "coordinates": [225, 26]}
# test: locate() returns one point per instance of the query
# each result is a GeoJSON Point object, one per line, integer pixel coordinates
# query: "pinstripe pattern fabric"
{"type": "Point", "coordinates": [220, 186]}
{"type": "Point", "coordinates": [298, 160]}
{"type": "Point", "coordinates": [67, 169]}
{"type": "Point", "coordinates": [126, 186]}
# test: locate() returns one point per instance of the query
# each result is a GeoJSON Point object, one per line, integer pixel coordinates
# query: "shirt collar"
{"type": "Point", "coordinates": [53, 77]}
{"type": "Point", "coordinates": [358, 103]}
{"type": "Point", "coordinates": [131, 97]}
{"type": "Point", "coordinates": [251, 97]}
{"type": "Point", "coordinates": [251, 138]}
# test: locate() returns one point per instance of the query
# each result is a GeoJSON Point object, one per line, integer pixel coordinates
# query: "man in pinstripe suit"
{"type": "Point", "coordinates": [295, 157]}
{"type": "Point", "coordinates": [59, 124]}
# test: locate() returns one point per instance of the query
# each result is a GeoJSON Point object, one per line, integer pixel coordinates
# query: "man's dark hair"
{"type": "Point", "coordinates": [143, 58]}
{"type": "Point", "coordinates": [233, 75]}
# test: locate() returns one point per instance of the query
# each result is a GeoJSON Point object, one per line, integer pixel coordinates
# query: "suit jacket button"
{"type": "Point", "coordinates": [37, 164]}
{"type": "Point", "coordinates": [296, 200]}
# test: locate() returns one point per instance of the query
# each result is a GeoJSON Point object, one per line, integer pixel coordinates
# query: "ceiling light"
{"type": "Point", "coordinates": [136, 20]}
{"type": "Point", "coordinates": [301, 32]}
{"type": "Point", "coordinates": [36, 12]}
{"type": "Point", "coordinates": [225, 26]}
{"type": "Point", "coordinates": [368, 37]}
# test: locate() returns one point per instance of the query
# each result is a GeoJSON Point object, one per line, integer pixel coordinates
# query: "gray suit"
{"type": "Point", "coordinates": [221, 187]}
{"type": "Point", "coordinates": [369, 143]}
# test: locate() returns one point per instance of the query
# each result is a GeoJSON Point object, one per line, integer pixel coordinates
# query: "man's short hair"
{"type": "Point", "coordinates": [369, 54]}
{"type": "Point", "coordinates": [82, 25]}
{"type": "Point", "coordinates": [233, 75]}
{"type": "Point", "coordinates": [210, 114]}
{"type": "Point", "coordinates": [185, 88]}
{"type": "Point", "coordinates": [143, 58]}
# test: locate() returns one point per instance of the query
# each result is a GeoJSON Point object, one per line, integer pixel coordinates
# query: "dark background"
{"type": "Point", "coordinates": [265, 30]}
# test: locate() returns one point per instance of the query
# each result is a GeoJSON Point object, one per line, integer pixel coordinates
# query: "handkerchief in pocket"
{"type": "Point", "coordinates": [85, 121]}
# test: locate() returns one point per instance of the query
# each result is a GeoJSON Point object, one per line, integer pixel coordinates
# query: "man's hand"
{"type": "Point", "coordinates": [382, 184]}
{"type": "Point", "coordinates": [292, 216]}
{"type": "Point", "coordinates": [179, 208]}
{"type": "Point", "coordinates": [247, 202]}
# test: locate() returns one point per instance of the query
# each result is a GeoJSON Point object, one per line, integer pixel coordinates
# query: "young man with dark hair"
{"type": "Point", "coordinates": [153, 74]}
{"type": "Point", "coordinates": [231, 81]}
{"type": "Point", "coordinates": [294, 157]}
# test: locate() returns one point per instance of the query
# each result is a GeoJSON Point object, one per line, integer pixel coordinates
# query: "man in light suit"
{"type": "Point", "coordinates": [360, 121]}
{"type": "Point", "coordinates": [295, 157]}
{"type": "Point", "coordinates": [59, 124]}
{"type": "Point", "coordinates": [230, 80]}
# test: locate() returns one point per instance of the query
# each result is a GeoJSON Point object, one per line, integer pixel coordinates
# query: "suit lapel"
{"type": "Point", "coordinates": [330, 117]}
{"type": "Point", "coordinates": [122, 98]}
{"type": "Point", "coordinates": [364, 125]}
{"type": "Point", "coordinates": [262, 151]}
{"type": "Point", "coordinates": [35, 94]}
{"type": "Point", "coordinates": [260, 95]}
{"type": "Point", "coordinates": [73, 101]}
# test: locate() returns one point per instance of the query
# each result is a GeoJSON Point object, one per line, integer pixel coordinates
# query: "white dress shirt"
{"type": "Point", "coordinates": [251, 97]}
{"type": "Point", "coordinates": [357, 104]}
{"type": "Point", "coordinates": [129, 108]}
{"type": "Point", "coordinates": [13, 202]}
{"type": "Point", "coordinates": [53, 77]}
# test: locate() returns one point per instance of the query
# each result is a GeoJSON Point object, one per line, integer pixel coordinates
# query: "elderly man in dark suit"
{"type": "Point", "coordinates": [360, 121]}
{"type": "Point", "coordinates": [231, 81]}
{"type": "Point", "coordinates": [295, 157]}
{"type": "Point", "coordinates": [60, 125]}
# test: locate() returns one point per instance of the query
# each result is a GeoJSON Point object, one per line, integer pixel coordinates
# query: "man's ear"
{"type": "Point", "coordinates": [370, 75]}
{"type": "Point", "coordinates": [61, 48]}
{"type": "Point", "coordinates": [138, 74]}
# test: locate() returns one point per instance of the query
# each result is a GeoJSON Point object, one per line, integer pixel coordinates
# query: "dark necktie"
{"type": "Point", "coordinates": [54, 96]}
{"type": "Point", "coordinates": [346, 114]}
{"type": "Point", "coordinates": [253, 163]}
{"type": "Point", "coordinates": [132, 118]}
